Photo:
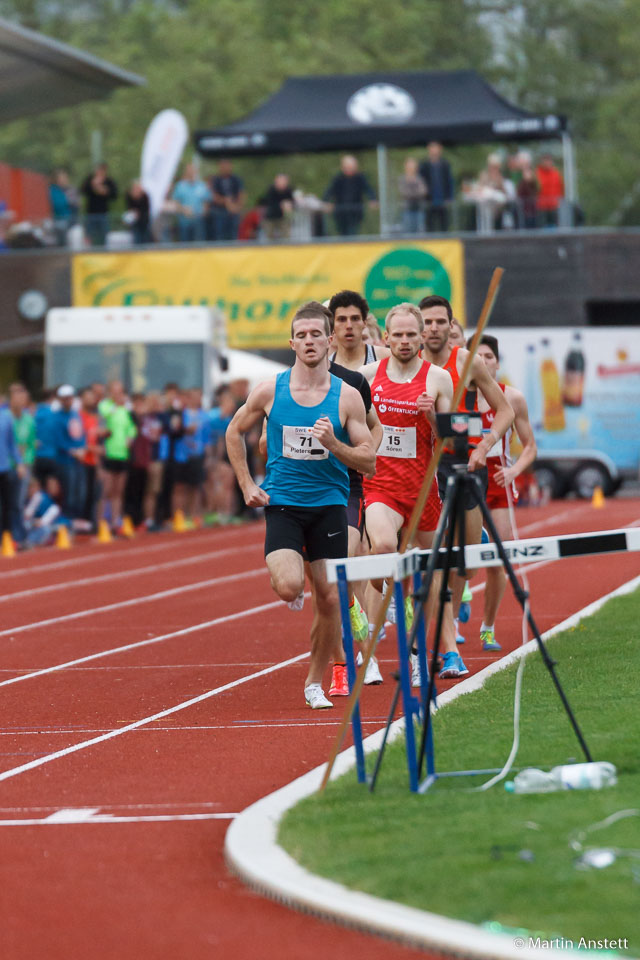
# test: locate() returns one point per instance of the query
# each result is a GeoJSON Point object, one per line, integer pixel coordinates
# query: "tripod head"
{"type": "Point", "coordinates": [461, 427]}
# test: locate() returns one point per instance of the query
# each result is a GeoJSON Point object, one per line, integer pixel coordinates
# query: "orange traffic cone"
{"type": "Point", "coordinates": [8, 549]}
{"type": "Point", "coordinates": [127, 528]}
{"type": "Point", "coordinates": [179, 525]}
{"type": "Point", "coordinates": [63, 540]}
{"type": "Point", "coordinates": [104, 534]}
{"type": "Point", "coordinates": [597, 500]}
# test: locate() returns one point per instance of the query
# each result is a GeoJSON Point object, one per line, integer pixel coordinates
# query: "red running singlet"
{"type": "Point", "coordinates": [497, 457]}
{"type": "Point", "coordinates": [406, 448]}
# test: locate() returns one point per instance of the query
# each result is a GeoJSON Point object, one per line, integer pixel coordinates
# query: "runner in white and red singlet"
{"type": "Point", "coordinates": [502, 474]}
{"type": "Point", "coordinates": [406, 392]}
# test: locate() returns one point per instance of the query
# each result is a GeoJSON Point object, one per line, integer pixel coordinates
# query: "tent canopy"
{"type": "Point", "coordinates": [38, 74]}
{"type": "Point", "coordinates": [361, 111]}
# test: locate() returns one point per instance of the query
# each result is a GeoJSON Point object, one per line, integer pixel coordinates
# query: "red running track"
{"type": "Point", "coordinates": [155, 689]}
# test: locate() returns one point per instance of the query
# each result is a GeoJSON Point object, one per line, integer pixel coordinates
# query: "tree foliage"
{"type": "Point", "coordinates": [216, 60]}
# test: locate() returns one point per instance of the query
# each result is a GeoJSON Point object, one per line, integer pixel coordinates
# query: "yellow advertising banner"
{"type": "Point", "coordinates": [258, 288]}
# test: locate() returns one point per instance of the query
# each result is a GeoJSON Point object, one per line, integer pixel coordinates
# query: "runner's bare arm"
{"type": "Point", "coordinates": [505, 475]}
{"type": "Point", "coordinates": [360, 455]}
{"type": "Point", "coordinates": [381, 352]}
{"type": "Point", "coordinates": [258, 404]}
{"type": "Point", "coordinates": [503, 418]}
{"type": "Point", "coordinates": [438, 395]}
{"type": "Point", "coordinates": [369, 371]}
{"type": "Point", "coordinates": [375, 427]}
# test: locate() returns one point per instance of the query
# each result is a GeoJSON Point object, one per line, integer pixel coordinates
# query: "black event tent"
{"type": "Point", "coordinates": [365, 110]}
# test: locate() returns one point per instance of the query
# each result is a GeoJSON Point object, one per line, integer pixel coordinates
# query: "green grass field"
{"type": "Point", "coordinates": [460, 853]}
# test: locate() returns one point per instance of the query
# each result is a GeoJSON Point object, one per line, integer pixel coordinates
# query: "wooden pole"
{"type": "Point", "coordinates": [370, 646]}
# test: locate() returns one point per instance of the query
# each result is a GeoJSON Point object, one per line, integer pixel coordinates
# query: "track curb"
{"type": "Point", "coordinates": [253, 853]}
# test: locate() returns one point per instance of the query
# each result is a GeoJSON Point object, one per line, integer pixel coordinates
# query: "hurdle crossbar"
{"type": "Point", "coordinates": [476, 555]}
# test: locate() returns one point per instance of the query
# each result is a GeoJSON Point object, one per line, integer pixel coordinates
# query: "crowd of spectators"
{"type": "Point", "coordinates": [515, 193]}
{"type": "Point", "coordinates": [79, 457]}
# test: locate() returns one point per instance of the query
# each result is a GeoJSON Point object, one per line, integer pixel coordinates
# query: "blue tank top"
{"type": "Point", "coordinates": [300, 471]}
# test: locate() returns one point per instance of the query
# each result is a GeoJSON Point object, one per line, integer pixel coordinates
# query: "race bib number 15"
{"type": "Point", "coordinates": [299, 444]}
{"type": "Point", "coordinates": [398, 442]}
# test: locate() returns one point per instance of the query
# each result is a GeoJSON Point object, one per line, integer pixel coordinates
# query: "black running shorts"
{"type": "Point", "coordinates": [318, 533]}
{"type": "Point", "coordinates": [355, 507]}
{"type": "Point", "coordinates": [445, 470]}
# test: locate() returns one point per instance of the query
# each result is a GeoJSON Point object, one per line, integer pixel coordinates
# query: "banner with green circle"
{"type": "Point", "coordinates": [405, 274]}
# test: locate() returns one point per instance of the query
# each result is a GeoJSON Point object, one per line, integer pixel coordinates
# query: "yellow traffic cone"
{"type": "Point", "coordinates": [179, 525]}
{"type": "Point", "coordinates": [8, 548]}
{"type": "Point", "coordinates": [104, 534]}
{"type": "Point", "coordinates": [597, 500]}
{"type": "Point", "coordinates": [127, 529]}
{"type": "Point", "coordinates": [63, 540]}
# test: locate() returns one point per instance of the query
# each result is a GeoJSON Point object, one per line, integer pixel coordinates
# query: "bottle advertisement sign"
{"type": "Point", "coordinates": [582, 387]}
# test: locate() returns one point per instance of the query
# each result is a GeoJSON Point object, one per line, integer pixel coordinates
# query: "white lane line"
{"type": "Point", "coordinates": [108, 818]}
{"type": "Point", "coordinates": [85, 744]}
{"type": "Point", "coordinates": [134, 601]}
{"type": "Point", "coordinates": [145, 643]}
{"type": "Point", "coordinates": [249, 725]}
{"type": "Point", "coordinates": [120, 574]}
{"type": "Point", "coordinates": [123, 550]}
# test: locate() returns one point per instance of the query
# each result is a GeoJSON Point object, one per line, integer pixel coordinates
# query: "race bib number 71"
{"type": "Point", "coordinates": [298, 443]}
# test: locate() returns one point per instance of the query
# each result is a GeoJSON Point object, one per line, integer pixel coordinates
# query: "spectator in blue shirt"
{"type": "Point", "coordinates": [436, 173]}
{"type": "Point", "coordinates": [192, 196]}
{"type": "Point", "coordinates": [70, 450]}
{"type": "Point", "coordinates": [9, 462]}
{"type": "Point", "coordinates": [45, 464]}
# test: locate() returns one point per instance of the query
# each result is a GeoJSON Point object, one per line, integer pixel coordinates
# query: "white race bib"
{"type": "Point", "coordinates": [398, 442]}
{"type": "Point", "coordinates": [299, 444]}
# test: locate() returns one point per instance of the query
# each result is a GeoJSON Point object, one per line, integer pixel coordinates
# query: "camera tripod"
{"type": "Point", "coordinates": [461, 485]}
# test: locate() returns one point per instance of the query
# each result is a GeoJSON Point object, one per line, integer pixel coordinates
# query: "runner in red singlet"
{"type": "Point", "coordinates": [406, 392]}
{"type": "Point", "coordinates": [437, 314]}
{"type": "Point", "coordinates": [502, 473]}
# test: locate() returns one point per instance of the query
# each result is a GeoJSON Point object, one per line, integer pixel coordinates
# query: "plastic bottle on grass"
{"type": "Point", "coordinates": [571, 776]}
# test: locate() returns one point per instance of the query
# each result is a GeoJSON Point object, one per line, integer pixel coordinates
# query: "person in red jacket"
{"type": "Point", "coordinates": [551, 191]}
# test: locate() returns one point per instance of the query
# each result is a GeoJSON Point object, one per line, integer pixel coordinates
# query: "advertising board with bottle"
{"type": "Point", "coordinates": [582, 387]}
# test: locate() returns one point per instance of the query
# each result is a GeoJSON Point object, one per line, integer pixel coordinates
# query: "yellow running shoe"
{"type": "Point", "coordinates": [408, 613]}
{"type": "Point", "coordinates": [359, 622]}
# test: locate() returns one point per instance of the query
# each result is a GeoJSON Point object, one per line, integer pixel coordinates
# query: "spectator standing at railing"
{"type": "Point", "coordinates": [70, 453]}
{"type": "Point", "coordinates": [192, 196]}
{"type": "Point", "coordinates": [137, 215]}
{"type": "Point", "coordinates": [64, 202]}
{"type": "Point", "coordinates": [100, 191]}
{"type": "Point", "coordinates": [278, 207]}
{"type": "Point", "coordinates": [551, 191]}
{"type": "Point", "coordinates": [228, 198]}
{"type": "Point", "coordinates": [346, 195]}
{"type": "Point", "coordinates": [527, 190]}
{"type": "Point", "coordinates": [436, 173]}
{"type": "Point", "coordinates": [413, 191]}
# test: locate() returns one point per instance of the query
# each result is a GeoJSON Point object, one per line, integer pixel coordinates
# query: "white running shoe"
{"type": "Point", "coordinates": [315, 698]}
{"type": "Point", "coordinates": [372, 674]}
{"type": "Point", "coordinates": [298, 603]}
{"type": "Point", "coordinates": [415, 670]}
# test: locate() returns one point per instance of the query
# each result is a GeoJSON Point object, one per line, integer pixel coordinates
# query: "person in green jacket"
{"type": "Point", "coordinates": [118, 431]}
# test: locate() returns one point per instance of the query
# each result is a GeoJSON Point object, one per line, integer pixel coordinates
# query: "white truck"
{"type": "Point", "coordinates": [145, 347]}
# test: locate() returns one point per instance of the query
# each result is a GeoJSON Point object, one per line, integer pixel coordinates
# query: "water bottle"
{"type": "Point", "coordinates": [571, 776]}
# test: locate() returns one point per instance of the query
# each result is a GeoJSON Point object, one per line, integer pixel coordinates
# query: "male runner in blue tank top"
{"type": "Point", "coordinates": [316, 429]}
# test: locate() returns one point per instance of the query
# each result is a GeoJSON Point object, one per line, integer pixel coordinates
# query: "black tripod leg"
{"type": "Point", "coordinates": [455, 492]}
{"type": "Point", "coordinates": [522, 597]}
{"type": "Point", "coordinates": [421, 597]}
